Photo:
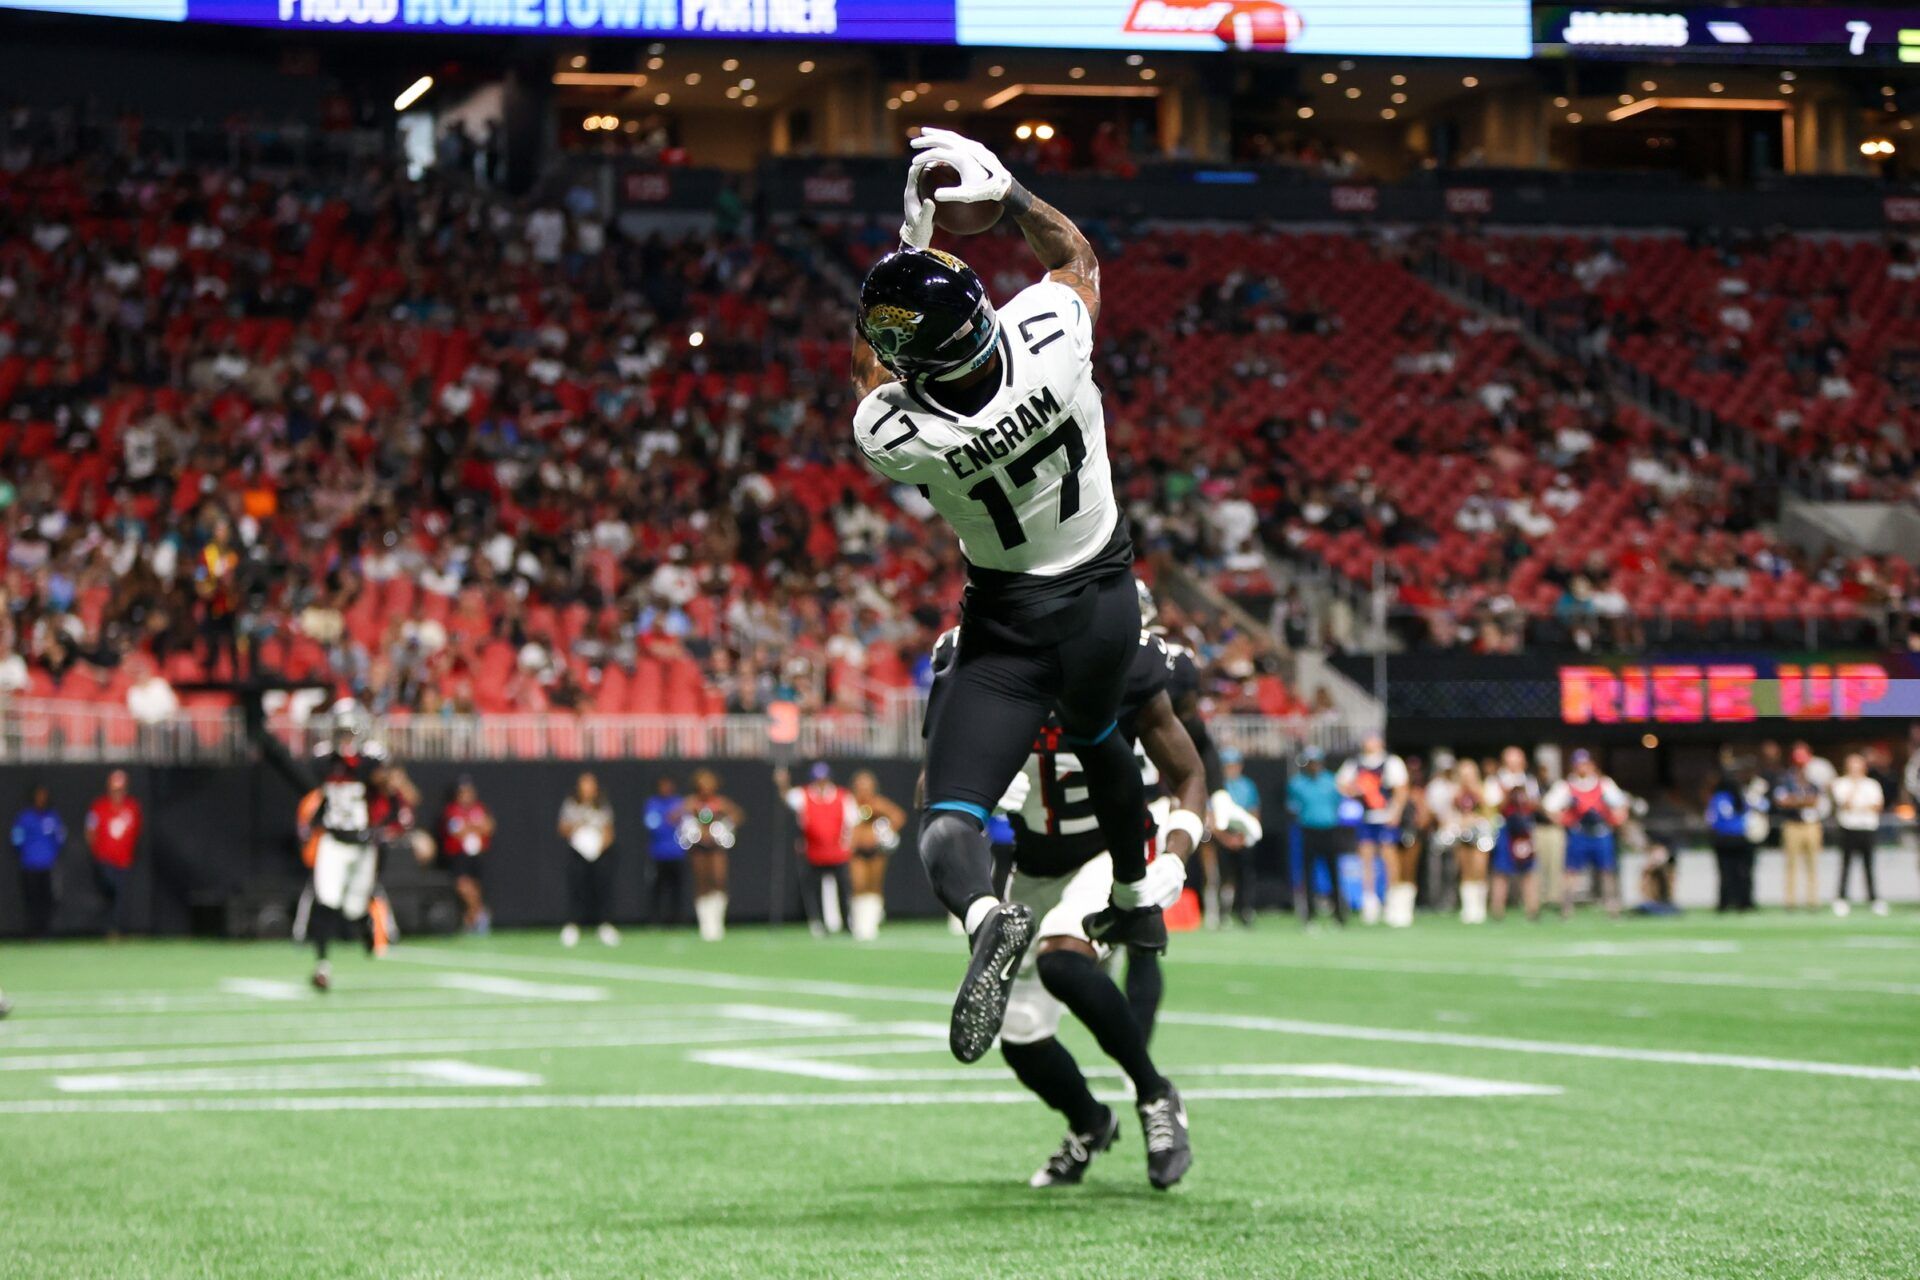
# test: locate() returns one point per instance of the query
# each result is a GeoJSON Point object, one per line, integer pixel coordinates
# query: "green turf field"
{"type": "Point", "coordinates": [1640, 1099]}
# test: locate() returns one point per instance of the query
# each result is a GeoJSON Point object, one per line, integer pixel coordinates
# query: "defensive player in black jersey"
{"type": "Point", "coordinates": [1224, 872]}
{"type": "Point", "coordinates": [362, 800]}
{"type": "Point", "coordinates": [1061, 870]}
{"type": "Point", "coordinates": [994, 415]}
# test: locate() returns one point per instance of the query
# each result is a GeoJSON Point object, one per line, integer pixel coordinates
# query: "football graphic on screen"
{"type": "Point", "coordinates": [1259, 24]}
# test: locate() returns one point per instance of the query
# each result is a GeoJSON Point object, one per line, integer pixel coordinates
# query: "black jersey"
{"type": "Point", "coordinates": [353, 808]}
{"type": "Point", "coordinates": [1183, 687]}
{"type": "Point", "coordinates": [1056, 830]}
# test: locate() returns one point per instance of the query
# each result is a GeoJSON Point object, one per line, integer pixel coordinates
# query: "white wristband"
{"type": "Point", "coordinates": [1188, 821]}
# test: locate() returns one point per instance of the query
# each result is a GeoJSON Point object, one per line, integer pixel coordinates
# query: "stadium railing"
{"type": "Point", "coordinates": [47, 731]}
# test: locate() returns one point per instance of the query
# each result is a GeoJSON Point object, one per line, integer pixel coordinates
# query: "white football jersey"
{"type": "Point", "coordinates": [1025, 482]}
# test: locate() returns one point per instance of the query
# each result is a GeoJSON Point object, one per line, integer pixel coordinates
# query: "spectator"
{"type": "Point", "coordinates": [113, 828]}
{"type": "Point", "coordinates": [1236, 857]}
{"type": "Point", "coordinates": [667, 880]}
{"type": "Point", "coordinates": [1549, 845]}
{"type": "Point", "coordinates": [1737, 821]}
{"type": "Point", "coordinates": [1800, 802]}
{"type": "Point", "coordinates": [1656, 882]}
{"type": "Point", "coordinates": [150, 699]}
{"type": "Point", "coordinates": [1858, 801]}
{"type": "Point", "coordinates": [1313, 802]}
{"type": "Point", "coordinates": [827, 816]}
{"type": "Point", "coordinates": [586, 824]}
{"type": "Point", "coordinates": [38, 837]}
{"type": "Point", "coordinates": [466, 833]}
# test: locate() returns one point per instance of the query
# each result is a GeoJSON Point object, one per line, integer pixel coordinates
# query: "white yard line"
{"type": "Point", "coordinates": [516, 988]}
{"type": "Point", "coordinates": [1533, 973]}
{"type": "Point", "coordinates": [663, 1101]}
{"type": "Point", "coordinates": [885, 994]}
{"type": "Point", "coordinates": [267, 988]}
{"type": "Point", "coordinates": [440, 957]}
{"type": "Point", "coordinates": [310, 1026]}
{"type": "Point", "coordinates": [391, 1045]}
{"type": "Point", "coordinates": [403, 1074]}
{"type": "Point", "coordinates": [1554, 1048]}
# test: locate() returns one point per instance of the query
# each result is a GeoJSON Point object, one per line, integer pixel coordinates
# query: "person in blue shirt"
{"type": "Point", "coordinates": [666, 853]}
{"type": "Point", "coordinates": [1235, 851]}
{"type": "Point", "coordinates": [1737, 821]}
{"type": "Point", "coordinates": [1313, 801]}
{"type": "Point", "coordinates": [38, 837]}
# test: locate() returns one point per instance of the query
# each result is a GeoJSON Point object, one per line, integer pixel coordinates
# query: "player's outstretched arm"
{"type": "Point", "coordinates": [1061, 248]}
{"type": "Point", "coordinates": [1168, 745]}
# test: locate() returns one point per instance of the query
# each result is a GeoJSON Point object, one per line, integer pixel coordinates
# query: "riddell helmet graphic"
{"type": "Point", "coordinates": [1239, 24]}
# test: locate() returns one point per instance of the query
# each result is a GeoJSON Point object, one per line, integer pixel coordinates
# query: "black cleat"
{"type": "Point", "coordinates": [999, 945]}
{"type": "Point", "coordinates": [1067, 1166]}
{"type": "Point", "coordinates": [1164, 1122]}
{"type": "Point", "coordinates": [1142, 927]}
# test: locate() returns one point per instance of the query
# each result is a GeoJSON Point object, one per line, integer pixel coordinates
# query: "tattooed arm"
{"type": "Point", "coordinates": [1062, 250]}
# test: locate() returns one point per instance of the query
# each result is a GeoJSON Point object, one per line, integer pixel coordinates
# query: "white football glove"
{"type": "Point", "coordinates": [916, 232]}
{"type": "Point", "coordinates": [1017, 791]}
{"type": "Point", "coordinates": [982, 176]}
{"type": "Point", "coordinates": [1165, 880]}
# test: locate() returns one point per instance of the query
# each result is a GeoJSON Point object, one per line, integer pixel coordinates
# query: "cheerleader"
{"type": "Point", "coordinates": [875, 836]}
{"type": "Point", "coordinates": [708, 821]}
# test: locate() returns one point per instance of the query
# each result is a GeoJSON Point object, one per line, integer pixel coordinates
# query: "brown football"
{"type": "Point", "coordinates": [956, 219]}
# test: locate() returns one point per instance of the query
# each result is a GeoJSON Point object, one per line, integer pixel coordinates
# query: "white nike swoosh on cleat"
{"type": "Point", "coordinates": [1006, 970]}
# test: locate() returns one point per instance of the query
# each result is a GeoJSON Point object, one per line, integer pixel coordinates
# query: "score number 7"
{"type": "Point", "coordinates": [1857, 33]}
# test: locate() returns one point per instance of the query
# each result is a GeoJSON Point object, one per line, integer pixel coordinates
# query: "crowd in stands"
{"type": "Point", "coordinates": [456, 452]}
{"type": "Point", "coordinates": [1810, 344]}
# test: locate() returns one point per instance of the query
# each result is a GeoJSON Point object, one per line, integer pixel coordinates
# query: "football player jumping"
{"type": "Point", "coordinates": [1062, 872]}
{"type": "Point", "coordinates": [995, 417]}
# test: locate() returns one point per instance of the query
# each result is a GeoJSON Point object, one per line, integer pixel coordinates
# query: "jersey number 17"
{"type": "Point", "coordinates": [1021, 471]}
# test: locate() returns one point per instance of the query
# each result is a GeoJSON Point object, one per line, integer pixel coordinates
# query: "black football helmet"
{"type": "Point", "coordinates": [926, 314]}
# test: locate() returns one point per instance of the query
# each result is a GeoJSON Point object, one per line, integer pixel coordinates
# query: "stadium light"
{"type": "Point", "coordinates": [1694, 104]}
{"type": "Point", "coordinates": [1043, 131]}
{"type": "Point", "coordinates": [806, 67]}
{"type": "Point", "coordinates": [696, 338]}
{"type": "Point", "coordinates": [1024, 132]}
{"type": "Point", "coordinates": [1012, 91]}
{"type": "Point", "coordinates": [413, 93]}
{"type": "Point", "coordinates": [601, 79]}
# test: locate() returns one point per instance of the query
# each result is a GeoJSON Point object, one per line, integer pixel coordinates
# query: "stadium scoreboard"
{"type": "Point", "coordinates": [1839, 35]}
{"type": "Point", "coordinates": [1361, 28]}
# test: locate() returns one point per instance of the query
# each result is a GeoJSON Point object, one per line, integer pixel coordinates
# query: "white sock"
{"type": "Point", "coordinates": [865, 916]}
{"type": "Point", "coordinates": [976, 912]}
{"type": "Point", "coordinates": [711, 910]}
{"type": "Point", "coordinates": [830, 905]}
{"type": "Point", "coordinates": [1473, 901]}
{"type": "Point", "coordinates": [1400, 899]}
